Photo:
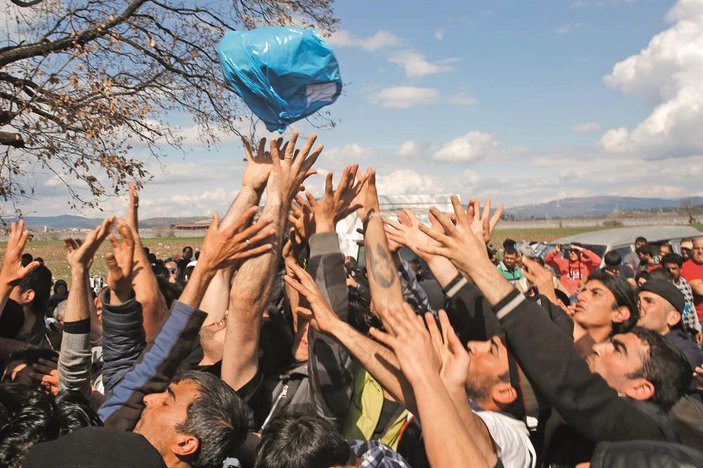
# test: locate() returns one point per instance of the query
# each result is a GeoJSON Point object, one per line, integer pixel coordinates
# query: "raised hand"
{"type": "Point", "coordinates": [453, 355]}
{"type": "Point", "coordinates": [290, 167]}
{"type": "Point", "coordinates": [302, 218]}
{"type": "Point", "coordinates": [322, 317]}
{"type": "Point", "coordinates": [481, 221]}
{"type": "Point", "coordinates": [12, 272]}
{"type": "Point", "coordinates": [368, 196]}
{"type": "Point", "coordinates": [119, 264]}
{"type": "Point", "coordinates": [258, 167]}
{"type": "Point", "coordinates": [337, 204]}
{"type": "Point", "coordinates": [237, 242]}
{"type": "Point", "coordinates": [79, 253]}
{"type": "Point", "coordinates": [406, 232]}
{"type": "Point", "coordinates": [411, 343]}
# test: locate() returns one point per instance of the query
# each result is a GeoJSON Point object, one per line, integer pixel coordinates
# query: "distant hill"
{"type": "Point", "coordinates": [595, 206]}
{"type": "Point", "coordinates": [563, 208]}
{"type": "Point", "coordinates": [80, 222]}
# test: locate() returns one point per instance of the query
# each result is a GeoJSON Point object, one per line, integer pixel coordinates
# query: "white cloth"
{"type": "Point", "coordinates": [511, 438]}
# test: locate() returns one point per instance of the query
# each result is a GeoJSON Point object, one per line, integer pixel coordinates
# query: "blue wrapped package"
{"type": "Point", "coordinates": [282, 73]}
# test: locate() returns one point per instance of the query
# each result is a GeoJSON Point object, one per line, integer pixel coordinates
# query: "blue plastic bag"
{"type": "Point", "coordinates": [282, 73]}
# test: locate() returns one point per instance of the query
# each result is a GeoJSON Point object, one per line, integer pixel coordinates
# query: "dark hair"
{"type": "Point", "coordinates": [217, 417]}
{"type": "Point", "coordinates": [625, 295]}
{"type": "Point", "coordinates": [187, 247]}
{"type": "Point", "coordinates": [509, 243]}
{"type": "Point", "coordinates": [301, 441]}
{"type": "Point", "coordinates": [29, 415]}
{"type": "Point", "coordinates": [640, 239]}
{"type": "Point", "coordinates": [171, 292]}
{"type": "Point", "coordinates": [648, 249]}
{"type": "Point", "coordinates": [665, 367]}
{"type": "Point", "coordinates": [672, 258]}
{"type": "Point", "coordinates": [29, 355]}
{"type": "Point", "coordinates": [663, 274]}
{"type": "Point", "coordinates": [612, 259]}
{"type": "Point", "coordinates": [509, 251]}
{"type": "Point", "coordinates": [60, 283]}
{"type": "Point", "coordinates": [39, 280]}
{"type": "Point", "coordinates": [27, 259]}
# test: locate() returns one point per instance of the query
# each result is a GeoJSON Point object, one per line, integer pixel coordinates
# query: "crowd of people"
{"type": "Point", "coordinates": [269, 348]}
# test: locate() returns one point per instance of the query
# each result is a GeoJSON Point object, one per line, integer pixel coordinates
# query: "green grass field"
{"type": "Point", "coordinates": [54, 257]}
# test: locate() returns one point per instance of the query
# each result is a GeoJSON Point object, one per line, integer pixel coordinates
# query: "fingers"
{"type": "Point", "coordinates": [443, 220]}
{"type": "Point", "coordinates": [384, 338]}
{"type": "Point", "coordinates": [311, 199]}
{"type": "Point", "coordinates": [458, 209]}
{"type": "Point", "coordinates": [247, 150]}
{"type": "Point", "coordinates": [495, 218]}
{"type": "Point", "coordinates": [435, 334]}
{"type": "Point", "coordinates": [254, 252]}
{"type": "Point", "coordinates": [328, 184]}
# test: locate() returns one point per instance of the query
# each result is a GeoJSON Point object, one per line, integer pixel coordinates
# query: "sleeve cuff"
{"type": "Point", "coordinates": [324, 243]}
{"type": "Point", "coordinates": [508, 304]}
{"type": "Point", "coordinates": [78, 327]}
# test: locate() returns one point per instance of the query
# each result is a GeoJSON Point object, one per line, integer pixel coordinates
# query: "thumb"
{"type": "Point", "coordinates": [30, 268]}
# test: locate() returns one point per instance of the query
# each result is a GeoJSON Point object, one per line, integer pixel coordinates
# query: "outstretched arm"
{"type": "Point", "coordinates": [378, 360]}
{"type": "Point", "coordinates": [251, 288]}
{"type": "Point", "coordinates": [75, 356]}
{"type": "Point", "coordinates": [216, 300]}
{"type": "Point", "coordinates": [383, 278]}
{"type": "Point", "coordinates": [146, 288]}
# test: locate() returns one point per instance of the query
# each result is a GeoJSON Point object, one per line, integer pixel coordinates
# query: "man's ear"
{"type": "Point", "coordinates": [185, 444]}
{"type": "Point", "coordinates": [503, 393]}
{"type": "Point", "coordinates": [27, 296]}
{"type": "Point", "coordinates": [620, 314]}
{"type": "Point", "coordinates": [640, 389]}
{"type": "Point", "coordinates": [673, 318]}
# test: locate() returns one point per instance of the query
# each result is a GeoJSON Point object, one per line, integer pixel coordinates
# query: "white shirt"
{"type": "Point", "coordinates": [511, 439]}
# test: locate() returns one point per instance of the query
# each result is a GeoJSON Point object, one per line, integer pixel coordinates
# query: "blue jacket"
{"type": "Point", "coordinates": [142, 369]}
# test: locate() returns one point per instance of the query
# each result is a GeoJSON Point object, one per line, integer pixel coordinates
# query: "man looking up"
{"type": "Point", "coordinates": [661, 308]}
{"type": "Point", "coordinates": [621, 393]}
{"type": "Point", "coordinates": [194, 420]}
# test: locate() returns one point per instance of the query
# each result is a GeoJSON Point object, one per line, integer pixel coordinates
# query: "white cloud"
{"type": "Point", "coordinates": [411, 149]}
{"type": "Point", "coordinates": [585, 127]}
{"type": "Point", "coordinates": [350, 152]}
{"type": "Point", "coordinates": [462, 98]}
{"type": "Point", "coordinates": [468, 147]}
{"type": "Point", "coordinates": [403, 97]}
{"type": "Point", "coordinates": [407, 181]}
{"type": "Point", "coordinates": [415, 65]}
{"type": "Point", "coordinates": [567, 28]}
{"type": "Point", "coordinates": [439, 34]}
{"type": "Point", "coordinates": [666, 74]}
{"type": "Point", "coordinates": [381, 39]}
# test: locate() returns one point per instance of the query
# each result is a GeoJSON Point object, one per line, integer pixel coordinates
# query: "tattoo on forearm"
{"type": "Point", "coordinates": [381, 265]}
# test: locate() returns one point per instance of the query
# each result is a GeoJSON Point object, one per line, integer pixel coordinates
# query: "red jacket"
{"type": "Point", "coordinates": [573, 273]}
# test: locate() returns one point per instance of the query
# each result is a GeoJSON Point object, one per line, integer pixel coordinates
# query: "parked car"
{"type": "Point", "coordinates": [622, 239]}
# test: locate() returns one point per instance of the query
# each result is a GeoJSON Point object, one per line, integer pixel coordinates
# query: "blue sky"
{"type": "Point", "coordinates": [523, 101]}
